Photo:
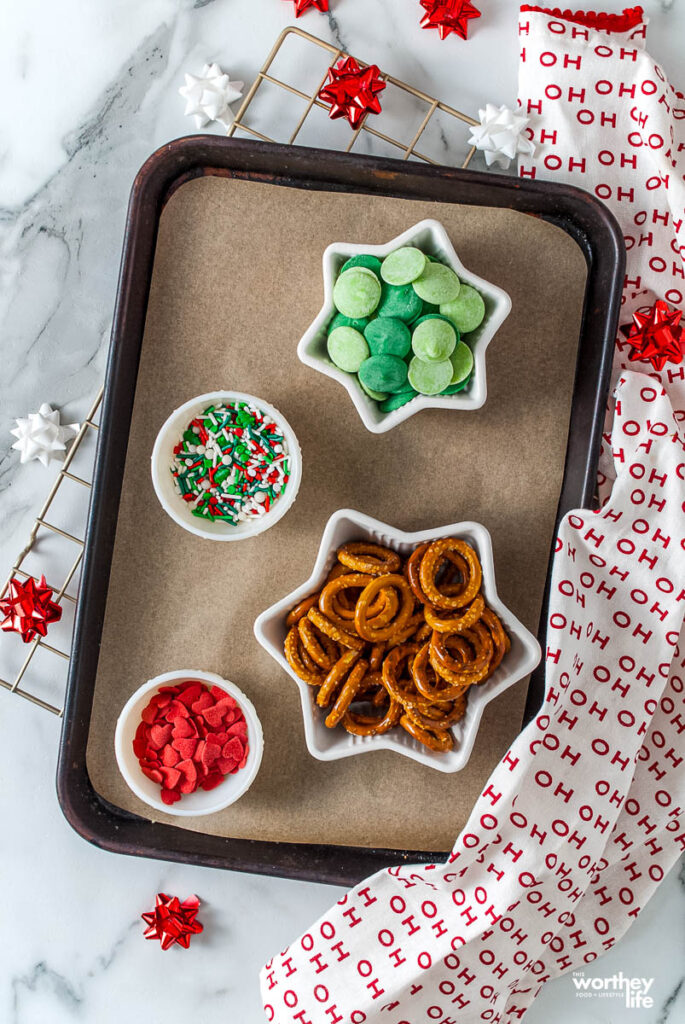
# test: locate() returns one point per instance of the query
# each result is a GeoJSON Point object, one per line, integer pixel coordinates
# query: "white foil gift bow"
{"type": "Point", "coordinates": [537, 882]}
{"type": "Point", "coordinates": [603, 116]}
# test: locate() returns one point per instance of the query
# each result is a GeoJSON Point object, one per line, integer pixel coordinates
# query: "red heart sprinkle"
{"type": "Point", "coordinates": [189, 773]}
{"type": "Point", "coordinates": [171, 777]}
{"type": "Point", "coordinates": [159, 736]}
{"type": "Point", "coordinates": [238, 729]}
{"type": "Point", "coordinates": [211, 752]}
{"type": "Point", "coordinates": [211, 781]}
{"type": "Point", "coordinates": [190, 693]}
{"type": "Point", "coordinates": [170, 796]}
{"type": "Point", "coordinates": [233, 749]}
{"type": "Point", "coordinates": [170, 757]}
{"type": "Point", "coordinates": [186, 748]}
{"type": "Point", "coordinates": [205, 700]}
{"type": "Point", "coordinates": [184, 728]}
{"type": "Point", "coordinates": [176, 710]}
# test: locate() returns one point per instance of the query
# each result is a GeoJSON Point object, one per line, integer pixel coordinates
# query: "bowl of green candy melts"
{"type": "Point", "coordinates": [404, 326]}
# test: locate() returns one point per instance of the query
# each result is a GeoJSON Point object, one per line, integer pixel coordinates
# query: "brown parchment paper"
{"type": "Point", "coordinates": [237, 280]}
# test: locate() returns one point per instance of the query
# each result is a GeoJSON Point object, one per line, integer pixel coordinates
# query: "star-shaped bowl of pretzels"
{"type": "Point", "coordinates": [397, 641]}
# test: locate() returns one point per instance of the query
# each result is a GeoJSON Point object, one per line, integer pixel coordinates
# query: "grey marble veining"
{"type": "Point", "coordinates": [90, 90]}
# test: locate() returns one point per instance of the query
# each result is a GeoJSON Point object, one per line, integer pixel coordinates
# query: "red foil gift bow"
{"type": "Point", "coordinates": [655, 335]}
{"type": "Point", "coordinates": [173, 922]}
{"type": "Point", "coordinates": [449, 16]}
{"type": "Point", "coordinates": [303, 5]}
{"type": "Point", "coordinates": [351, 91]}
{"type": "Point", "coordinates": [29, 609]}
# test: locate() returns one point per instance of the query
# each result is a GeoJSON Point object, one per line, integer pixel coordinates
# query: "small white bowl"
{"type": "Point", "coordinates": [200, 802]}
{"type": "Point", "coordinates": [431, 237]}
{"type": "Point", "coordinates": [170, 499]}
{"type": "Point", "coordinates": [330, 744]}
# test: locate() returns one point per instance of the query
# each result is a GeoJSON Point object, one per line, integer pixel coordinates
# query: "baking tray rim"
{"type": "Point", "coordinates": [577, 212]}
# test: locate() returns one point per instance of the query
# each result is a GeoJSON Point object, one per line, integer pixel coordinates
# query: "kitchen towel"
{"type": "Point", "coordinates": [605, 118]}
{"type": "Point", "coordinates": [584, 815]}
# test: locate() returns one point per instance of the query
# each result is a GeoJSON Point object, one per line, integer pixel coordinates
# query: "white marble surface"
{"type": "Point", "coordinates": [90, 89]}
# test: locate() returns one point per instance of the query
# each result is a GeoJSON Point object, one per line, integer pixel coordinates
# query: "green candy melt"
{"type": "Point", "coordinates": [384, 373]}
{"type": "Point", "coordinates": [359, 323]}
{"type": "Point", "coordinates": [454, 388]}
{"type": "Point", "coordinates": [393, 402]}
{"type": "Point", "coordinates": [437, 284]}
{"type": "Point", "coordinates": [357, 292]}
{"type": "Point", "coordinates": [467, 311]}
{"type": "Point", "coordinates": [434, 340]}
{"type": "Point", "coordinates": [378, 396]}
{"type": "Point", "coordinates": [432, 316]}
{"type": "Point", "coordinates": [403, 266]}
{"type": "Point", "coordinates": [429, 378]}
{"type": "Point", "coordinates": [401, 302]}
{"type": "Point", "coordinates": [347, 348]}
{"type": "Point", "coordinates": [363, 260]}
{"type": "Point", "coordinates": [388, 336]}
{"type": "Point", "coordinates": [462, 362]}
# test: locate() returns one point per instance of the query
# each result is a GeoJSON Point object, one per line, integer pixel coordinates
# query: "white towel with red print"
{"type": "Point", "coordinates": [605, 118]}
{"type": "Point", "coordinates": [585, 814]}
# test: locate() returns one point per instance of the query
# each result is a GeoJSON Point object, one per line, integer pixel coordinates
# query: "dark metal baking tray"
{"type": "Point", "coordinates": [578, 213]}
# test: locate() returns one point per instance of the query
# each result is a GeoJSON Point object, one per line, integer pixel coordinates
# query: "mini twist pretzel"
{"type": "Point", "coordinates": [341, 636]}
{"type": "Point", "coordinates": [330, 684]}
{"type": "Point", "coordinates": [413, 566]}
{"type": "Point", "coordinates": [433, 691]}
{"type": "Point", "coordinates": [436, 720]}
{"type": "Point", "coordinates": [411, 571]}
{"type": "Point", "coordinates": [349, 691]}
{"type": "Point", "coordinates": [371, 558]}
{"type": "Point", "coordinates": [300, 610]}
{"type": "Point", "coordinates": [370, 725]}
{"type": "Point", "coordinates": [456, 623]}
{"type": "Point", "coordinates": [499, 638]}
{"type": "Point", "coordinates": [479, 641]}
{"type": "Point", "coordinates": [307, 661]}
{"type": "Point", "coordinates": [365, 626]}
{"type": "Point", "coordinates": [294, 659]}
{"type": "Point", "coordinates": [459, 679]}
{"type": "Point", "coordinates": [429, 569]}
{"type": "Point", "coordinates": [406, 695]}
{"type": "Point", "coordinates": [435, 739]}
{"type": "Point", "coordinates": [329, 604]}
{"type": "Point", "coordinates": [380, 613]}
{"type": "Point", "coordinates": [321, 649]}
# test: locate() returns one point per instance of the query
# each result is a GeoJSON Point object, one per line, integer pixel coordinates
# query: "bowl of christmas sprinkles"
{"type": "Point", "coordinates": [226, 466]}
{"type": "Point", "coordinates": [188, 743]}
{"type": "Point", "coordinates": [404, 326]}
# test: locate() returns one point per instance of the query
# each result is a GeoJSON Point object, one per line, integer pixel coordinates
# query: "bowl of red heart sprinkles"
{"type": "Point", "coordinates": [188, 743]}
{"type": "Point", "coordinates": [226, 466]}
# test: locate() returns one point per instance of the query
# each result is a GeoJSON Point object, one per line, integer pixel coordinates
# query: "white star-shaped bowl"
{"type": "Point", "coordinates": [431, 237]}
{"type": "Point", "coordinates": [331, 744]}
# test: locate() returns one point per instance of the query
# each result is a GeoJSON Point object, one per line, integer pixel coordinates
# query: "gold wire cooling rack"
{"type": "Point", "coordinates": [42, 522]}
{"type": "Point", "coordinates": [408, 149]}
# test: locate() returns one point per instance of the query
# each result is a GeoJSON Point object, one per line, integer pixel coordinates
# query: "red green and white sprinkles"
{"type": "Point", "coordinates": [231, 464]}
